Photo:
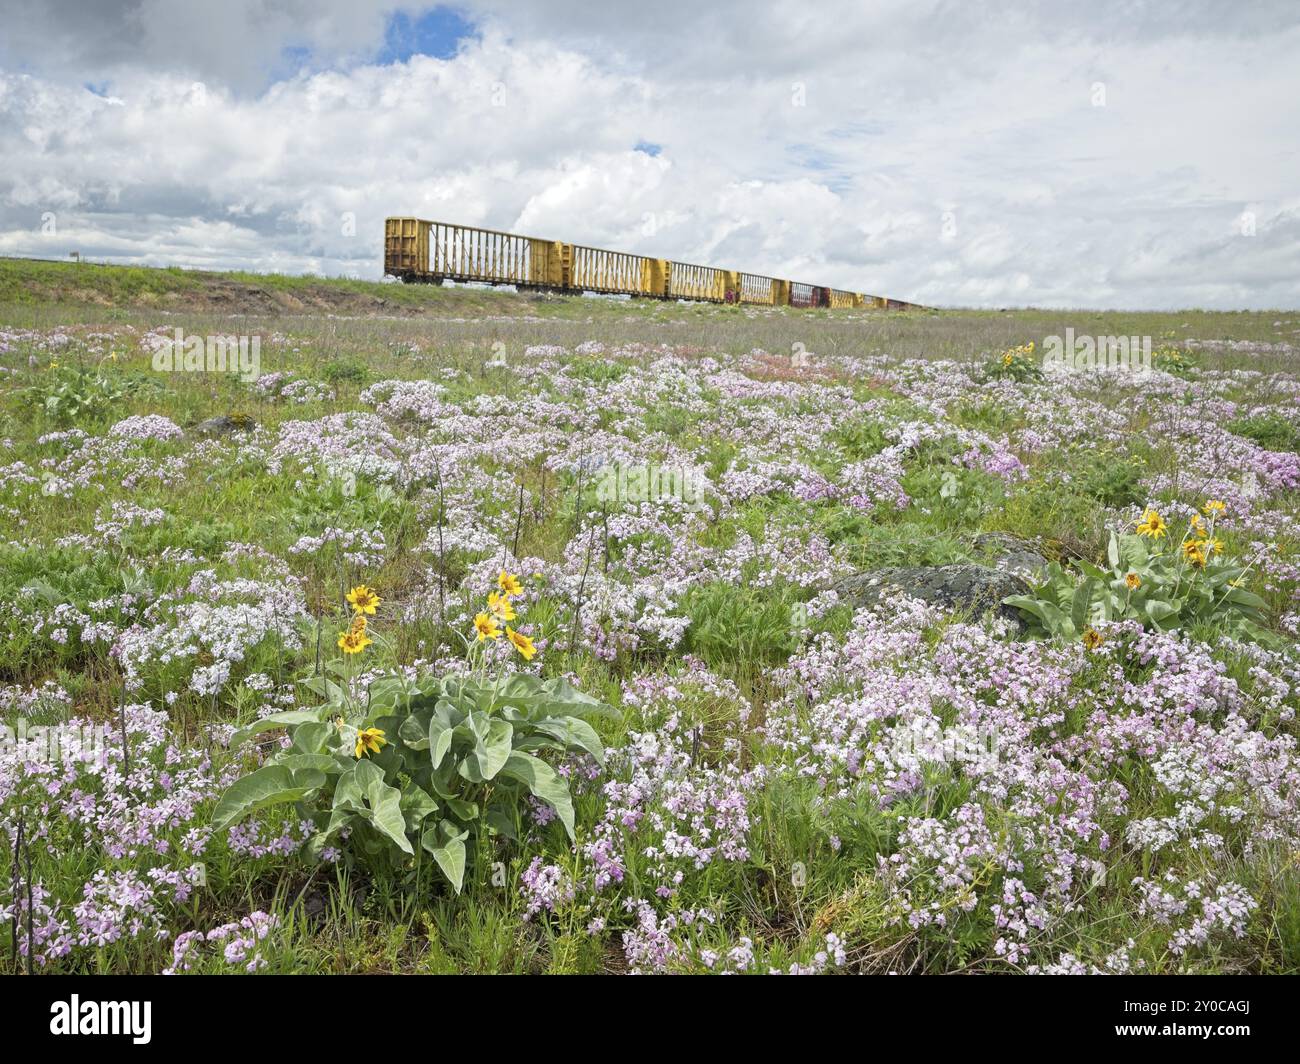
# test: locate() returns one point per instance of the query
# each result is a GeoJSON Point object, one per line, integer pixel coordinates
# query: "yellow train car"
{"type": "Point", "coordinates": [417, 251]}
{"type": "Point", "coordinates": [611, 272]}
{"type": "Point", "coordinates": [701, 283]}
{"type": "Point", "coordinates": [760, 290]}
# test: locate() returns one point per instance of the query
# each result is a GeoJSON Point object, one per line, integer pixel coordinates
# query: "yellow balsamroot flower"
{"type": "Point", "coordinates": [486, 626]}
{"type": "Point", "coordinates": [354, 641]}
{"type": "Point", "coordinates": [509, 584]}
{"type": "Point", "coordinates": [1194, 552]}
{"type": "Point", "coordinates": [522, 643]}
{"type": "Point", "coordinates": [1213, 506]}
{"type": "Point", "coordinates": [499, 606]}
{"type": "Point", "coordinates": [363, 599]}
{"type": "Point", "coordinates": [1152, 524]}
{"type": "Point", "coordinates": [1197, 524]}
{"type": "Point", "coordinates": [1133, 581]}
{"type": "Point", "coordinates": [1092, 638]}
{"type": "Point", "coordinates": [369, 740]}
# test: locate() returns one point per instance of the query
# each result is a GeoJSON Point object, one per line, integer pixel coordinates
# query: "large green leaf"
{"type": "Point", "coordinates": [544, 783]}
{"type": "Point", "coordinates": [1057, 621]}
{"type": "Point", "coordinates": [388, 693]}
{"type": "Point", "coordinates": [384, 804]}
{"type": "Point", "coordinates": [462, 810]}
{"type": "Point", "coordinates": [1026, 604]}
{"type": "Point", "coordinates": [269, 785]}
{"type": "Point", "coordinates": [1241, 597]}
{"type": "Point", "coordinates": [1160, 611]}
{"type": "Point", "coordinates": [349, 793]}
{"type": "Point", "coordinates": [573, 731]}
{"type": "Point", "coordinates": [387, 817]}
{"type": "Point", "coordinates": [450, 855]}
{"type": "Point", "coordinates": [417, 806]}
{"type": "Point", "coordinates": [414, 731]}
{"type": "Point", "coordinates": [441, 734]}
{"type": "Point", "coordinates": [326, 689]}
{"type": "Point", "coordinates": [311, 737]}
{"type": "Point", "coordinates": [1133, 552]}
{"type": "Point", "coordinates": [295, 762]}
{"type": "Point", "coordinates": [552, 698]}
{"type": "Point", "coordinates": [1079, 604]}
{"type": "Point", "coordinates": [275, 720]}
{"type": "Point", "coordinates": [492, 750]}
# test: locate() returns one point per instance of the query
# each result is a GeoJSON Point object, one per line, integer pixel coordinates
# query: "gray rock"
{"type": "Point", "coordinates": [1012, 554]}
{"type": "Point", "coordinates": [1014, 563]}
{"type": "Point", "coordinates": [972, 589]}
{"type": "Point", "coordinates": [224, 425]}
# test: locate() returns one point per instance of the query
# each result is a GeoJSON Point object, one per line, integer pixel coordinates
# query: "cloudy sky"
{"type": "Point", "coordinates": [1099, 154]}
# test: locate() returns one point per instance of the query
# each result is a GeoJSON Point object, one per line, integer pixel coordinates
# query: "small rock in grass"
{"type": "Point", "coordinates": [973, 589]}
{"type": "Point", "coordinates": [224, 425]}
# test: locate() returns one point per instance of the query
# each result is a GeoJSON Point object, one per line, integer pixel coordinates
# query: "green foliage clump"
{"type": "Point", "coordinates": [1163, 590]}
{"type": "Point", "coordinates": [77, 395]}
{"type": "Point", "coordinates": [438, 766]}
{"type": "Point", "coordinates": [730, 624]}
{"type": "Point", "coordinates": [1115, 483]}
{"type": "Point", "coordinates": [347, 370]}
{"type": "Point", "coordinates": [1173, 360]}
{"type": "Point", "coordinates": [1271, 431]}
{"type": "Point", "coordinates": [1015, 363]}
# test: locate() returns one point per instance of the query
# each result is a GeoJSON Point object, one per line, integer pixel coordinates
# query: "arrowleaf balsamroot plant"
{"type": "Point", "coordinates": [436, 767]}
{"type": "Point", "coordinates": [1164, 585]}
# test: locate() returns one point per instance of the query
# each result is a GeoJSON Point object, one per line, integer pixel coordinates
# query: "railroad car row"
{"type": "Point", "coordinates": [422, 252]}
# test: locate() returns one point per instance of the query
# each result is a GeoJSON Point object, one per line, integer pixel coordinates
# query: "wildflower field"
{"type": "Point", "coordinates": [478, 632]}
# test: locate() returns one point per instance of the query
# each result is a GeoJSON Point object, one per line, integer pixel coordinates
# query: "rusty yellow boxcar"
{"type": "Point", "coordinates": [423, 252]}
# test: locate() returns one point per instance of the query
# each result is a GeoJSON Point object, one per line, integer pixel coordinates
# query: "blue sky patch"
{"type": "Point", "coordinates": [435, 33]}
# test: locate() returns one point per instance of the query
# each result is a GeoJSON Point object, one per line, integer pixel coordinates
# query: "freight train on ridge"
{"type": "Point", "coordinates": [421, 252]}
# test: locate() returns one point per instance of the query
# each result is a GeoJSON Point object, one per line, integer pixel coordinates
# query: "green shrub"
{"type": "Point", "coordinates": [1016, 363]}
{"type": "Point", "coordinates": [1114, 483]}
{"type": "Point", "coordinates": [1164, 590]}
{"type": "Point", "coordinates": [1271, 431]}
{"type": "Point", "coordinates": [437, 766]}
{"type": "Point", "coordinates": [78, 395]}
{"type": "Point", "coordinates": [731, 624]}
{"type": "Point", "coordinates": [1173, 360]}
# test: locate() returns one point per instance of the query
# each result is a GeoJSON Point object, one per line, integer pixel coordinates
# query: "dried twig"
{"type": "Point", "coordinates": [582, 587]}
{"type": "Point", "coordinates": [31, 936]}
{"type": "Point", "coordinates": [519, 522]}
{"type": "Point", "coordinates": [126, 746]}
{"type": "Point", "coordinates": [442, 564]}
{"type": "Point", "coordinates": [604, 520]}
{"type": "Point", "coordinates": [13, 887]}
